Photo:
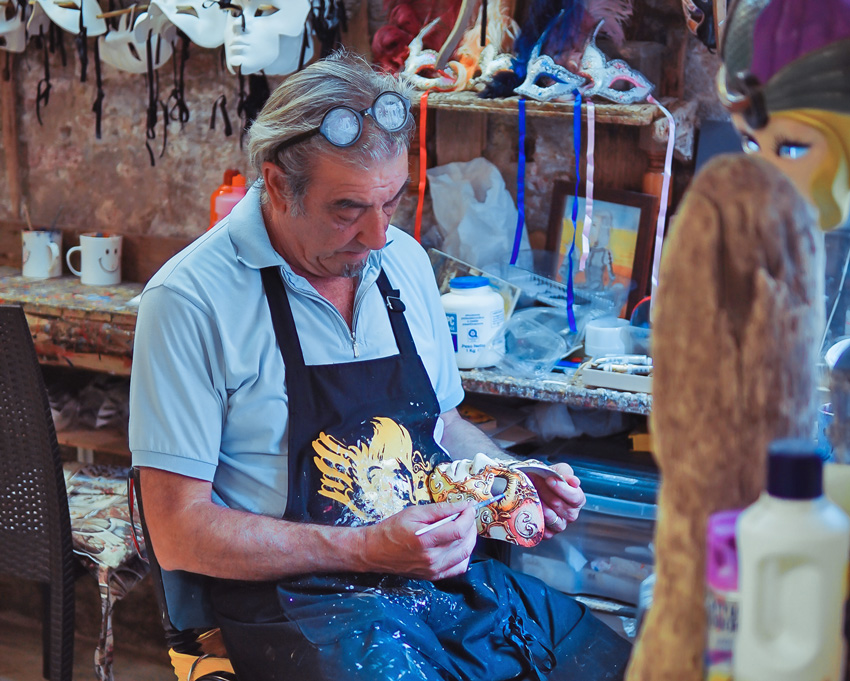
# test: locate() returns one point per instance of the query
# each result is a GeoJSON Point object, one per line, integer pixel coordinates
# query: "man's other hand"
{"type": "Point", "coordinates": [561, 500]}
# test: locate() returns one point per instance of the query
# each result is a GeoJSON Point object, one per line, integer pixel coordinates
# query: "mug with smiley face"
{"type": "Point", "coordinates": [100, 259]}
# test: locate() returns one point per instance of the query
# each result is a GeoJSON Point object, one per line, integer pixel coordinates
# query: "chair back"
{"type": "Point", "coordinates": [35, 527]}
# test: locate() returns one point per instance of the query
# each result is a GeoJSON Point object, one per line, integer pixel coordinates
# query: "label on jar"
{"type": "Point", "coordinates": [452, 319]}
{"type": "Point", "coordinates": [471, 333]}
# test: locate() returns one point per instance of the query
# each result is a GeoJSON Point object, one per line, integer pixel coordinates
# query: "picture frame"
{"type": "Point", "coordinates": [620, 218]}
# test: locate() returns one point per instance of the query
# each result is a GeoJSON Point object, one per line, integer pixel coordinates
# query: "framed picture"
{"type": "Point", "coordinates": [621, 235]}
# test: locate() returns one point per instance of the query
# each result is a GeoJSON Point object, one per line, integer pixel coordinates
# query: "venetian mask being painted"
{"type": "Point", "coordinates": [13, 32]}
{"type": "Point", "coordinates": [266, 35]}
{"type": "Point", "coordinates": [784, 80]}
{"type": "Point", "coordinates": [74, 15]}
{"type": "Point", "coordinates": [201, 20]}
{"type": "Point", "coordinates": [517, 518]}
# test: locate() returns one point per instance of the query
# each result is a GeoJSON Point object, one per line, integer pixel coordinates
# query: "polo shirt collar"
{"type": "Point", "coordinates": [247, 230]}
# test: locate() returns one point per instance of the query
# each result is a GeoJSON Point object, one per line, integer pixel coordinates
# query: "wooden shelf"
{"type": "Point", "coordinates": [99, 440]}
{"type": "Point", "coordinates": [617, 114]}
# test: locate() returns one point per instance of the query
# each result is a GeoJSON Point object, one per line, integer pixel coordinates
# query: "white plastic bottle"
{"type": "Point", "coordinates": [793, 546]}
{"type": "Point", "coordinates": [475, 313]}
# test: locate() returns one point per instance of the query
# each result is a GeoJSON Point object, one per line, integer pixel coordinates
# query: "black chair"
{"type": "Point", "coordinates": [35, 527]}
{"type": "Point", "coordinates": [191, 646]}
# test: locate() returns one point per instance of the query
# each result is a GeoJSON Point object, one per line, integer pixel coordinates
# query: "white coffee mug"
{"type": "Point", "coordinates": [42, 253]}
{"type": "Point", "coordinates": [100, 259]}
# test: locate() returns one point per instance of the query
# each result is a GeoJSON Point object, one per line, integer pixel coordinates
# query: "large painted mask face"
{"type": "Point", "coordinates": [517, 518]}
{"type": "Point", "coordinates": [266, 35]}
{"type": "Point", "coordinates": [816, 164]}
{"type": "Point", "coordinates": [784, 80]}
{"type": "Point", "coordinates": [201, 20]}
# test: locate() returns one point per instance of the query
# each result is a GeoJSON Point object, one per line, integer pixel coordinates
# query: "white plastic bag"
{"type": "Point", "coordinates": [475, 213]}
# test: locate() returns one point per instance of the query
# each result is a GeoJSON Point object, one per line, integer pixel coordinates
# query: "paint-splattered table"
{"type": "Point", "coordinates": [88, 327]}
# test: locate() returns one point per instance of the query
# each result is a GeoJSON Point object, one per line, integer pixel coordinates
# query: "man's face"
{"type": "Point", "coordinates": [346, 215]}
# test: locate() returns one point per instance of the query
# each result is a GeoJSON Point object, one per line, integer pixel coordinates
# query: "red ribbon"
{"type": "Point", "coordinates": [423, 163]}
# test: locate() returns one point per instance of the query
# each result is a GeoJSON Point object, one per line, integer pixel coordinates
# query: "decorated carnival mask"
{"type": "Point", "coordinates": [126, 47]}
{"type": "Point", "coordinates": [13, 30]}
{"type": "Point", "coordinates": [73, 15]}
{"type": "Point", "coordinates": [611, 79]}
{"type": "Point", "coordinates": [201, 20]}
{"type": "Point", "coordinates": [266, 35]}
{"type": "Point", "coordinates": [784, 79]}
{"type": "Point", "coordinates": [421, 61]}
{"type": "Point", "coordinates": [517, 518]}
{"type": "Point", "coordinates": [564, 82]}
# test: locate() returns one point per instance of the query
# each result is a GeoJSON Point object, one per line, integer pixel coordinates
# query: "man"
{"type": "Point", "coordinates": [293, 384]}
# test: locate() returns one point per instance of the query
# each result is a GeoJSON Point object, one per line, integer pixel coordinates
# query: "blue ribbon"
{"type": "Point", "coordinates": [571, 317]}
{"type": "Point", "coordinates": [520, 184]}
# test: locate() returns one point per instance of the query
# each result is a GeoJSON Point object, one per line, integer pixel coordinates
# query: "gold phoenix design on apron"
{"type": "Point", "coordinates": [375, 478]}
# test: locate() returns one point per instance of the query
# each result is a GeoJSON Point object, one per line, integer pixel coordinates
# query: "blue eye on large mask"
{"type": "Point", "coordinates": [791, 150]}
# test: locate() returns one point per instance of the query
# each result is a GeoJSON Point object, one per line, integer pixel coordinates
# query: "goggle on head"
{"type": "Point", "coordinates": [342, 126]}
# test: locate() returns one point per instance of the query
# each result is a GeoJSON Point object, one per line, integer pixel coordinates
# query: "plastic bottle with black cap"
{"type": "Point", "coordinates": [793, 546]}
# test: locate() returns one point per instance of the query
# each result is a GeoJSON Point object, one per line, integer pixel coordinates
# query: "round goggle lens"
{"type": "Point", "coordinates": [341, 126]}
{"type": "Point", "coordinates": [390, 112]}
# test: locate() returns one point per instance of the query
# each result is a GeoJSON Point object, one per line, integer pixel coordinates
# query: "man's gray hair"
{"type": "Point", "coordinates": [299, 104]}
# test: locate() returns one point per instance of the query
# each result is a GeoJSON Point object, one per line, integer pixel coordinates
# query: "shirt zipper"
{"type": "Point", "coordinates": [358, 298]}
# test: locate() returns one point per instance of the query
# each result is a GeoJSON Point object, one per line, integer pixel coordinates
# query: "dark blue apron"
{"type": "Point", "coordinates": [361, 434]}
{"type": "Point", "coordinates": [360, 448]}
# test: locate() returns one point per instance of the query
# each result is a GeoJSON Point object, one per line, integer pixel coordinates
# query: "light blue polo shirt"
{"type": "Point", "coordinates": [207, 393]}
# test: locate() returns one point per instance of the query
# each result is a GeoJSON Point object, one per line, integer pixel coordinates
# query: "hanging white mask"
{"type": "Point", "coordinates": [266, 35]}
{"type": "Point", "coordinates": [38, 22]}
{"type": "Point", "coordinates": [126, 48]}
{"type": "Point", "coordinates": [68, 18]}
{"type": "Point", "coordinates": [201, 20]}
{"type": "Point", "coordinates": [13, 29]}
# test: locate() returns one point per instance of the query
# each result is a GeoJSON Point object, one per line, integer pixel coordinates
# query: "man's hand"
{"type": "Point", "coordinates": [561, 500]}
{"type": "Point", "coordinates": [393, 546]}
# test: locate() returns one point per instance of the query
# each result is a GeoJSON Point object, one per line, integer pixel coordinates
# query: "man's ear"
{"type": "Point", "coordinates": [276, 186]}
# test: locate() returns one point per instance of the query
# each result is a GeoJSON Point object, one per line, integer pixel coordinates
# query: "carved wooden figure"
{"type": "Point", "coordinates": [737, 319]}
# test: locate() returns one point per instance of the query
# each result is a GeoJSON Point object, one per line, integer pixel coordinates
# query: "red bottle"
{"type": "Point", "coordinates": [229, 193]}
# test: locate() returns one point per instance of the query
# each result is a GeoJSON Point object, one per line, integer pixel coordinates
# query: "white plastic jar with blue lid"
{"type": "Point", "coordinates": [475, 313]}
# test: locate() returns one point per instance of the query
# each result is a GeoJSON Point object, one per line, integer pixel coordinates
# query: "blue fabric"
{"type": "Point", "coordinates": [520, 184]}
{"type": "Point", "coordinates": [571, 317]}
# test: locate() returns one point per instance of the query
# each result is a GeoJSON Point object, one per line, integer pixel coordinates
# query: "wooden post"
{"type": "Point", "coordinates": [357, 37]}
{"type": "Point", "coordinates": [9, 123]}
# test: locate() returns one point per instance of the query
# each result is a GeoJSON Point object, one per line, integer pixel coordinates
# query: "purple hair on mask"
{"type": "Point", "coordinates": [788, 29]}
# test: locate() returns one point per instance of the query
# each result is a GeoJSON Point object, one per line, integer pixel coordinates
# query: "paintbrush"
{"type": "Point", "coordinates": [443, 521]}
